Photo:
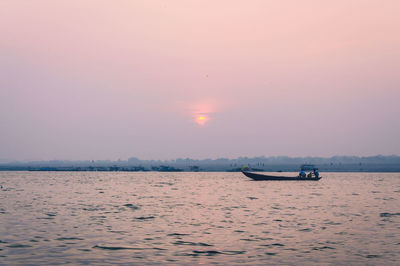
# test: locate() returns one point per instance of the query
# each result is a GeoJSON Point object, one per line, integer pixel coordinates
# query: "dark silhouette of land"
{"type": "Point", "coordinates": [377, 163]}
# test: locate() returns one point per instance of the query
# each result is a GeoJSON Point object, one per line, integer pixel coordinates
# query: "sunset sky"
{"type": "Point", "coordinates": [201, 79]}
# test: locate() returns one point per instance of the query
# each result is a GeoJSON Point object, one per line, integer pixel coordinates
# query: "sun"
{"type": "Point", "coordinates": [202, 113]}
{"type": "Point", "coordinates": [201, 120]}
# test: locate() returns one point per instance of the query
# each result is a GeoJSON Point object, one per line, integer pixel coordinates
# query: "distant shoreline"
{"type": "Point", "coordinates": [202, 171]}
{"type": "Point", "coordinates": [379, 164]}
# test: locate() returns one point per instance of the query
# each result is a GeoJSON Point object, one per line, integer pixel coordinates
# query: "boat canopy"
{"type": "Point", "coordinates": [308, 167]}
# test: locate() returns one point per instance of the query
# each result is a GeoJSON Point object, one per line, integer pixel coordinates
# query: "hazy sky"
{"type": "Point", "coordinates": [200, 79]}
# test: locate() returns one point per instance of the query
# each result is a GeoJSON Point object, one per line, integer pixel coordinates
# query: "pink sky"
{"type": "Point", "coordinates": [114, 79]}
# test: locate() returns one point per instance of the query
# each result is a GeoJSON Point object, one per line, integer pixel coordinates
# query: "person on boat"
{"type": "Point", "coordinates": [316, 173]}
{"type": "Point", "coordinates": [302, 173]}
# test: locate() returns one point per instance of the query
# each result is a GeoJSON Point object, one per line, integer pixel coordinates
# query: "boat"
{"type": "Point", "coordinates": [310, 177]}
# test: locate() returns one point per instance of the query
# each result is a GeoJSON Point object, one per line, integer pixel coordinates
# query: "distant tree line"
{"type": "Point", "coordinates": [377, 163]}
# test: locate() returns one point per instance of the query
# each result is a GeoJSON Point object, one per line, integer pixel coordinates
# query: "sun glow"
{"type": "Point", "coordinates": [201, 120]}
{"type": "Point", "coordinates": [202, 112]}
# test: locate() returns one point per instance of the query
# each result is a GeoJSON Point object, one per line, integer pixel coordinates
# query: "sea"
{"type": "Point", "coordinates": [165, 218]}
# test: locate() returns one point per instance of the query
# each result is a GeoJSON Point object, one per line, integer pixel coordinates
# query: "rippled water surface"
{"type": "Point", "coordinates": [198, 218]}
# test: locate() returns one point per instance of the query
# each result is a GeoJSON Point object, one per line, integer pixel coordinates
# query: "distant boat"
{"type": "Point", "coordinates": [260, 177]}
{"type": "Point", "coordinates": [310, 177]}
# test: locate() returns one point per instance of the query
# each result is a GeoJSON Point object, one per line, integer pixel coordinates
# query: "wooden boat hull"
{"type": "Point", "coordinates": [260, 177]}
